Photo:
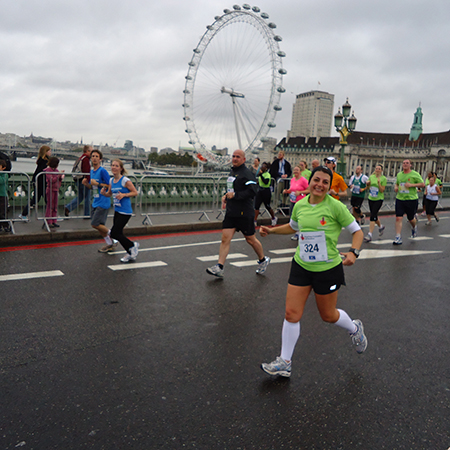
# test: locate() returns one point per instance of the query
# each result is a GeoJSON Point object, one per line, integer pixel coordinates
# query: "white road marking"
{"type": "Point", "coordinates": [29, 275]}
{"type": "Point", "coordinates": [216, 257]}
{"type": "Point", "coordinates": [389, 241]}
{"type": "Point", "coordinates": [283, 251]}
{"type": "Point", "coordinates": [444, 235]}
{"type": "Point", "coordinates": [171, 247]}
{"type": "Point", "coordinates": [372, 254]}
{"type": "Point", "coordinates": [134, 265]}
{"type": "Point", "coordinates": [255, 262]}
{"type": "Point", "coordinates": [365, 254]}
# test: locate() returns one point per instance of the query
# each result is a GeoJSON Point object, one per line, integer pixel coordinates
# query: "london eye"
{"type": "Point", "coordinates": [233, 84]}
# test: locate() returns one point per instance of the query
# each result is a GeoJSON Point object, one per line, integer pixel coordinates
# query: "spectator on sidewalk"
{"type": "Point", "coordinates": [279, 170]}
{"type": "Point", "coordinates": [45, 152]}
{"type": "Point", "coordinates": [54, 179]}
{"type": "Point", "coordinates": [82, 191]}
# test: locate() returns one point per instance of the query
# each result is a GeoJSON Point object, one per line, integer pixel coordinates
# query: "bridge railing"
{"type": "Point", "coordinates": [193, 198]}
{"type": "Point", "coordinates": [17, 200]}
{"type": "Point", "coordinates": [161, 195]}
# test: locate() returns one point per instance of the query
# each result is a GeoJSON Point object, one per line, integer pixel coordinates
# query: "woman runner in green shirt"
{"type": "Point", "coordinates": [376, 185]}
{"type": "Point", "coordinates": [317, 265]}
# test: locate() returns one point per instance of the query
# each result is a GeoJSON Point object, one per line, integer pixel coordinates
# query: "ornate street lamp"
{"type": "Point", "coordinates": [345, 126]}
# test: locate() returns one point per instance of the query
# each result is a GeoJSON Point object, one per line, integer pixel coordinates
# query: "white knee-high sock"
{"type": "Point", "coordinates": [289, 337]}
{"type": "Point", "coordinates": [344, 321]}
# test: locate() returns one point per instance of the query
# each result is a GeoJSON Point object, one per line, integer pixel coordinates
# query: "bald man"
{"type": "Point", "coordinates": [315, 163]}
{"type": "Point", "coordinates": [239, 215]}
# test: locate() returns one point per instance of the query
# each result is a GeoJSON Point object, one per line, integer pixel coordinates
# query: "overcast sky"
{"type": "Point", "coordinates": [110, 70]}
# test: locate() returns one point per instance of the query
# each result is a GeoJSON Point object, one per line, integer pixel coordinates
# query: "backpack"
{"type": "Point", "coordinates": [76, 169]}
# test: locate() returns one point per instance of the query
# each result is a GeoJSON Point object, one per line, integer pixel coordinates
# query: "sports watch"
{"type": "Point", "coordinates": [355, 251]}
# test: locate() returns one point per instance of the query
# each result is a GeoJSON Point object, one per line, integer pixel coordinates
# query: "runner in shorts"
{"type": "Point", "coordinates": [357, 184]}
{"type": "Point", "coordinates": [264, 194]}
{"type": "Point", "coordinates": [376, 186]}
{"type": "Point", "coordinates": [317, 266]}
{"type": "Point", "coordinates": [407, 200]}
{"type": "Point", "coordinates": [239, 215]}
{"type": "Point", "coordinates": [99, 178]}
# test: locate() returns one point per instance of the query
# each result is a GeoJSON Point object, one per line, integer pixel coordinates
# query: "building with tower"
{"type": "Point", "coordinates": [428, 152]}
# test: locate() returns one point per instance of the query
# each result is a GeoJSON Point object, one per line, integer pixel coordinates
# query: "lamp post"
{"type": "Point", "coordinates": [345, 125]}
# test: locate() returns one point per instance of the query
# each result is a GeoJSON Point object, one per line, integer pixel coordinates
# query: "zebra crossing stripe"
{"type": "Point", "coordinates": [30, 275]}
{"type": "Point", "coordinates": [135, 265]}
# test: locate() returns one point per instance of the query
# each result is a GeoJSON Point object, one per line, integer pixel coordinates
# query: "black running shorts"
{"type": "Point", "coordinates": [244, 224]}
{"type": "Point", "coordinates": [322, 283]}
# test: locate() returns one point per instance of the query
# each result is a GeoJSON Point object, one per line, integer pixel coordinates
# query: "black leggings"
{"type": "Point", "coordinates": [39, 191]}
{"type": "Point", "coordinates": [374, 206]}
{"type": "Point", "coordinates": [120, 220]}
{"type": "Point", "coordinates": [431, 207]}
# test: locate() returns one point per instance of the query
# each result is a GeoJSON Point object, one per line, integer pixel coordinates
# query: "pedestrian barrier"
{"type": "Point", "coordinates": [19, 192]}
{"type": "Point", "coordinates": [194, 197]}
{"type": "Point", "coordinates": [170, 195]}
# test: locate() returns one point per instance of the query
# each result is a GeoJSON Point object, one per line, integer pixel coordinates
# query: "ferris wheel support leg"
{"type": "Point", "coordinates": [235, 112]}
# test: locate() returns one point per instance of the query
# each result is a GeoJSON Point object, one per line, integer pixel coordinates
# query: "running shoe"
{"type": "Point", "coordinates": [263, 265]}
{"type": "Point", "coordinates": [368, 238]}
{"type": "Point", "coordinates": [428, 223]}
{"type": "Point", "coordinates": [436, 217]}
{"type": "Point", "coordinates": [295, 237]}
{"type": "Point", "coordinates": [423, 214]}
{"type": "Point", "coordinates": [215, 270]}
{"type": "Point", "coordinates": [108, 248]}
{"type": "Point", "coordinates": [363, 219]}
{"type": "Point", "coordinates": [25, 218]}
{"type": "Point", "coordinates": [127, 258]}
{"type": "Point", "coordinates": [381, 230]}
{"type": "Point", "coordinates": [277, 367]}
{"type": "Point", "coordinates": [398, 240]}
{"type": "Point", "coordinates": [414, 232]}
{"type": "Point", "coordinates": [358, 337]}
{"type": "Point", "coordinates": [256, 223]}
{"type": "Point", "coordinates": [274, 221]}
{"type": "Point", "coordinates": [134, 250]}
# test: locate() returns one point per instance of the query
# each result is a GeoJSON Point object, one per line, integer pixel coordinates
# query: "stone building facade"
{"type": "Point", "coordinates": [429, 153]}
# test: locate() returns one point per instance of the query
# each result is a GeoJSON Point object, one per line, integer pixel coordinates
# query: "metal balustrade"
{"type": "Point", "coordinates": [192, 197]}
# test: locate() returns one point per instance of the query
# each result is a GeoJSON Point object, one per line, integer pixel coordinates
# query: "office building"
{"type": "Point", "coordinates": [312, 115]}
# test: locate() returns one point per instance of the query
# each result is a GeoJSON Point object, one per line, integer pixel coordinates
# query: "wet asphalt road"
{"type": "Point", "coordinates": [168, 357]}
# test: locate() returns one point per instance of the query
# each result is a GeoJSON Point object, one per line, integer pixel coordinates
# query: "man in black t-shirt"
{"type": "Point", "coordinates": [238, 202]}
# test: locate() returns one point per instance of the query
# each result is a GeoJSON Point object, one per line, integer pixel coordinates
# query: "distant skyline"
{"type": "Point", "coordinates": [109, 71]}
